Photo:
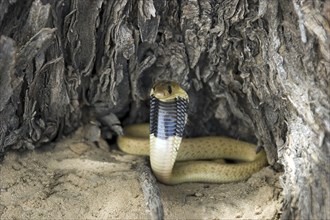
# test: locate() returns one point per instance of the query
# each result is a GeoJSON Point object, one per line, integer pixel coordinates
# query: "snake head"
{"type": "Point", "coordinates": [168, 91]}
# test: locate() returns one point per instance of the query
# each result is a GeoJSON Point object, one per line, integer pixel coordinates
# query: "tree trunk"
{"type": "Point", "coordinates": [254, 70]}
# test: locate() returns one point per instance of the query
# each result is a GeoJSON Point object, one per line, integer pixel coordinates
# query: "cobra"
{"type": "Point", "coordinates": [175, 159]}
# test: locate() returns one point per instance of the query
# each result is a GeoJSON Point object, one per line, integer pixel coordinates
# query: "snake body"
{"type": "Point", "coordinates": [175, 160]}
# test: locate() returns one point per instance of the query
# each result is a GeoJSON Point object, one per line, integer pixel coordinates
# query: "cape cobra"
{"type": "Point", "coordinates": [175, 160]}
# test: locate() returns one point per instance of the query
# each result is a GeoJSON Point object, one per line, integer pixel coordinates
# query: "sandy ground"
{"type": "Point", "coordinates": [78, 179]}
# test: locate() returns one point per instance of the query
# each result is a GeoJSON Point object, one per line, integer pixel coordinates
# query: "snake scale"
{"type": "Point", "coordinates": [176, 160]}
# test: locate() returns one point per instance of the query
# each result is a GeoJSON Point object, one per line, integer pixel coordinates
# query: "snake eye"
{"type": "Point", "coordinates": [169, 89]}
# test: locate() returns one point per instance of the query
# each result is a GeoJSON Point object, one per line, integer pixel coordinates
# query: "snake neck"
{"type": "Point", "coordinates": [167, 121]}
{"type": "Point", "coordinates": [162, 156]}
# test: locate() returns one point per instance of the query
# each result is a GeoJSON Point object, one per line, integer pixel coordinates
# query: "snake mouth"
{"type": "Point", "coordinates": [168, 91]}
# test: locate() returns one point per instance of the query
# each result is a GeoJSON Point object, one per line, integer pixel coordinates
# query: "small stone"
{"type": "Point", "coordinates": [257, 210]}
{"type": "Point", "coordinates": [16, 166]}
{"type": "Point", "coordinates": [79, 148]}
{"type": "Point", "coordinates": [198, 194]}
{"type": "Point", "coordinates": [238, 215]}
{"type": "Point", "coordinates": [92, 132]}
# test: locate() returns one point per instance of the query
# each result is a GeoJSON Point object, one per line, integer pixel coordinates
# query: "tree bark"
{"type": "Point", "coordinates": [254, 70]}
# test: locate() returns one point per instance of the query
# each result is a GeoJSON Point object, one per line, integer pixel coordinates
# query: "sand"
{"type": "Point", "coordinates": [77, 178]}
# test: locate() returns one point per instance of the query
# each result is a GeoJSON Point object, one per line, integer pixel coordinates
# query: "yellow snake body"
{"type": "Point", "coordinates": [175, 160]}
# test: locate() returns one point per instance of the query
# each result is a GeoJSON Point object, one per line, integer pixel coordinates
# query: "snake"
{"type": "Point", "coordinates": [175, 159]}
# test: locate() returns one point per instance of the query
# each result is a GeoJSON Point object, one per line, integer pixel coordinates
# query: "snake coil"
{"type": "Point", "coordinates": [168, 116]}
